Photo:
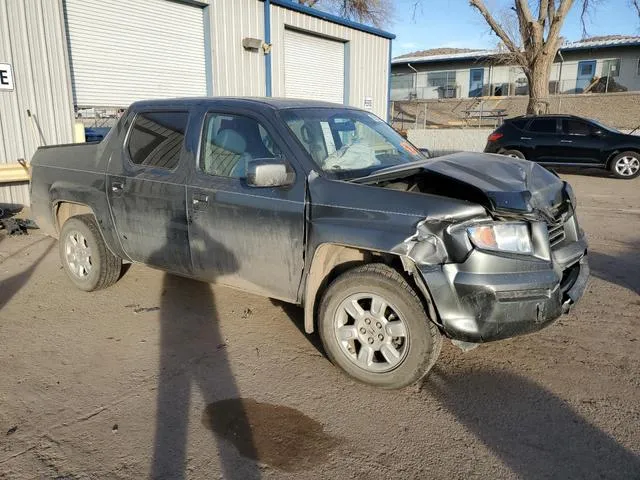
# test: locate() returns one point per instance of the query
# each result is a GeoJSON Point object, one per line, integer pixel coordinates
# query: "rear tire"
{"type": "Point", "coordinates": [626, 165]}
{"type": "Point", "coordinates": [374, 326]}
{"type": "Point", "coordinates": [85, 257]}
{"type": "Point", "coordinates": [514, 154]}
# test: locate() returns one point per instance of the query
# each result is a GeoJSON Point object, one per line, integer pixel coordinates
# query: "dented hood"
{"type": "Point", "coordinates": [509, 184]}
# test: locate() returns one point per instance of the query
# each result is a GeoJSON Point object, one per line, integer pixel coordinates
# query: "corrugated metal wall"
{"type": "Point", "coordinates": [240, 72]}
{"type": "Point", "coordinates": [368, 57]}
{"type": "Point", "coordinates": [32, 40]}
{"type": "Point", "coordinates": [237, 71]}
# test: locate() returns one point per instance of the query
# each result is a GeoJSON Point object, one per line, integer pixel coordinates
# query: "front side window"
{"type": "Point", "coordinates": [156, 139]}
{"type": "Point", "coordinates": [230, 141]}
{"type": "Point", "coordinates": [575, 127]}
{"type": "Point", "coordinates": [543, 125]}
{"type": "Point", "coordinates": [349, 143]}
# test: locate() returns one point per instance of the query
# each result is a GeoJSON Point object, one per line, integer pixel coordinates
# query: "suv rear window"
{"type": "Point", "coordinates": [156, 139]}
{"type": "Point", "coordinates": [543, 125]}
{"type": "Point", "coordinates": [519, 123]}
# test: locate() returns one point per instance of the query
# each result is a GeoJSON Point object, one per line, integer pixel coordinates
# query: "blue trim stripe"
{"type": "Point", "coordinates": [389, 112]}
{"type": "Point", "coordinates": [267, 39]}
{"type": "Point", "coordinates": [331, 18]}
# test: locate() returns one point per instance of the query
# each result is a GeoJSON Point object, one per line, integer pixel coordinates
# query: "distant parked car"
{"type": "Point", "coordinates": [95, 134]}
{"type": "Point", "coordinates": [566, 140]}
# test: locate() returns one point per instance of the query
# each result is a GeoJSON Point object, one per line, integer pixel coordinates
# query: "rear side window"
{"type": "Point", "coordinates": [543, 125]}
{"type": "Point", "coordinates": [156, 139]}
{"type": "Point", "coordinates": [519, 123]}
{"type": "Point", "coordinates": [575, 127]}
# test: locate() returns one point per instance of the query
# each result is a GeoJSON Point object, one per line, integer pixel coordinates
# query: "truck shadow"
{"type": "Point", "coordinates": [621, 269]}
{"type": "Point", "coordinates": [532, 431]}
{"type": "Point", "coordinates": [193, 356]}
{"type": "Point", "coordinates": [12, 285]}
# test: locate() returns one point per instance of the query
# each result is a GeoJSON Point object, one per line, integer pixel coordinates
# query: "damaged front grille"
{"type": "Point", "coordinates": [556, 234]}
{"type": "Point", "coordinates": [556, 229]}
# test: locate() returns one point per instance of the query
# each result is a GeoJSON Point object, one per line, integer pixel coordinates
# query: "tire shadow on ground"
{"type": "Point", "coordinates": [535, 433]}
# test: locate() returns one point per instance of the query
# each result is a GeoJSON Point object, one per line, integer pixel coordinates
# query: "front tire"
{"type": "Point", "coordinates": [85, 257]}
{"type": "Point", "coordinates": [626, 165]}
{"type": "Point", "coordinates": [374, 326]}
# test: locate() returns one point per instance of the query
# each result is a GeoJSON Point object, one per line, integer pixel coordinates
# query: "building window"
{"type": "Point", "coordinates": [442, 79]}
{"type": "Point", "coordinates": [611, 67]}
{"type": "Point", "coordinates": [445, 82]}
{"type": "Point", "coordinates": [638, 67]}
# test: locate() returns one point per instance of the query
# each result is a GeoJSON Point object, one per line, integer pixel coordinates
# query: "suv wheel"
{"type": "Point", "coordinates": [85, 257]}
{"type": "Point", "coordinates": [626, 165]}
{"type": "Point", "coordinates": [514, 154]}
{"type": "Point", "coordinates": [373, 325]}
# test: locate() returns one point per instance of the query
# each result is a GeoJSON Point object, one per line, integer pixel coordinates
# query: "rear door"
{"type": "Point", "coordinates": [579, 142]}
{"type": "Point", "coordinates": [146, 191]}
{"type": "Point", "coordinates": [544, 139]}
{"type": "Point", "coordinates": [246, 237]}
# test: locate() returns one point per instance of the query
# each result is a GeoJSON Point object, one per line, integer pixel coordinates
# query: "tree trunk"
{"type": "Point", "coordinates": [538, 75]}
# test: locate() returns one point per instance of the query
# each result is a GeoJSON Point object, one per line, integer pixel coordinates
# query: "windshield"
{"type": "Point", "coordinates": [349, 143]}
{"type": "Point", "coordinates": [604, 127]}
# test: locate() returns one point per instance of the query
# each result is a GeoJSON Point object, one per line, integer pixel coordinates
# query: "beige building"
{"type": "Point", "coordinates": [613, 61]}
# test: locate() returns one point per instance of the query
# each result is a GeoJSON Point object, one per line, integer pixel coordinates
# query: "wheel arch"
{"type": "Point", "coordinates": [331, 259]}
{"type": "Point", "coordinates": [63, 210]}
{"type": "Point", "coordinates": [618, 151]}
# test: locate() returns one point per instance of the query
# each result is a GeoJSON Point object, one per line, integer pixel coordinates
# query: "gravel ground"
{"type": "Point", "coordinates": [164, 377]}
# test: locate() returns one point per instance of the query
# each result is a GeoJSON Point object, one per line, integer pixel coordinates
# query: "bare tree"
{"type": "Point", "coordinates": [374, 12]}
{"type": "Point", "coordinates": [538, 44]}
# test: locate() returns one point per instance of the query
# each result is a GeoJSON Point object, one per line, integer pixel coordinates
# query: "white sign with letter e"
{"type": "Point", "coordinates": [6, 77]}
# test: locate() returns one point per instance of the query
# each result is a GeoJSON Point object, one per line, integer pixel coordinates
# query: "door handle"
{"type": "Point", "coordinates": [525, 138]}
{"type": "Point", "coordinates": [117, 187]}
{"type": "Point", "coordinates": [199, 200]}
{"type": "Point", "coordinates": [566, 141]}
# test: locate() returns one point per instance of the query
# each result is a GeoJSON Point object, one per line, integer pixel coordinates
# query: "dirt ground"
{"type": "Point", "coordinates": [164, 377]}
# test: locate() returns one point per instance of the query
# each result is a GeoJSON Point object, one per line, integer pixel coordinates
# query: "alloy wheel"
{"type": "Point", "coordinates": [78, 254]}
{"type": "Point", "coordinates": [627, 166]}
{"type": "Point", "coordinates": [371, 332]}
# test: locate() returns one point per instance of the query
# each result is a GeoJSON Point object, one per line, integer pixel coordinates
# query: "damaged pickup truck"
{"type": "Point", "coordinates": [327, 207]}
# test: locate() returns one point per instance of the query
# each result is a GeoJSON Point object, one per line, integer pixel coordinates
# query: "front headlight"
{"type": "Point", "coordinates": [571, 195]}
{"type": "Point", "coordinates": [512, 237]}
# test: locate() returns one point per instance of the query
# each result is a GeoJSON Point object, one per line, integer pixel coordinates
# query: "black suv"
{"type": "Point", "coordinates": [565, 140]}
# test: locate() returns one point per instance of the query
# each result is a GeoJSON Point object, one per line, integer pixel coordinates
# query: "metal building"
{"type": "Point", "coordinates": [61, 59]}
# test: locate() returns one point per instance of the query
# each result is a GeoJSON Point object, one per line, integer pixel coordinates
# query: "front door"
{"type": "Point", "coordinates": [146, 191]}
{"type": "Point", "coordinates": [586, 72]}
{"type": "Point", "coordinates": [246, 237]}
{"type": "Point", "coordinates": [580, 143]}
{"type": "Point", "coordinates": [476, 82]}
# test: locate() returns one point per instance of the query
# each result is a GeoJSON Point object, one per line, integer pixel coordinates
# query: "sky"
{"type": "Point", "coordinates": [453, 23]}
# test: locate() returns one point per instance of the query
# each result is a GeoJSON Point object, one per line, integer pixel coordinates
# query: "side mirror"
{"type": "Point", "coordinates": [269, 172]}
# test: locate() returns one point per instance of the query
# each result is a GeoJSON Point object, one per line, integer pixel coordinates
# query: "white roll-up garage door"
{"type": "Point", "coordinates": [314, 67]}
{"type": "Point", "coordinates": [123, 50]}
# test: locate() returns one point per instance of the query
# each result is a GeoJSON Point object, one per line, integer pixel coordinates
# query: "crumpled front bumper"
{"type": "Point", "coordinates": [492, 297]}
